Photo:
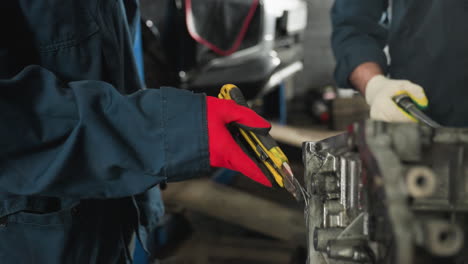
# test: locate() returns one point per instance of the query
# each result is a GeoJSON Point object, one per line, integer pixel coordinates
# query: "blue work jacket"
{"type": "Point", "coordinates": [82, 146]}
{"type": "Point", "coordinates": [427, 43]}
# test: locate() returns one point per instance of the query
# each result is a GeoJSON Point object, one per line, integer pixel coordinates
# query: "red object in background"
{"type": "Point", "coordinates": [324, 117]}
{"type": "Point", "coordinates": [224, 150]}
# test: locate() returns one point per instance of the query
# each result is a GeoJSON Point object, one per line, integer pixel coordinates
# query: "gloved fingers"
{"type": "Point", "coordinates": [226, 153]}
{"type": "Point", "coordinates": [380, 86]}
{"type": "Point", "coordinates": [388, 111]}
{"type": "Point", "coordinates": [415, 92]}
{"type": "Point", "coordinates": [380, 92]}
{"type": "Point", "coordinates": [241, 162]}
{"type": "Point", "coordinates": [245, 117]}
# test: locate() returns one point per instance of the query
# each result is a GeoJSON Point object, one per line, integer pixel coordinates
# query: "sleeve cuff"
{"type": "Point", "coordinates": [185, 134]}
{"type": "Point", "coordinates": [355, 57]}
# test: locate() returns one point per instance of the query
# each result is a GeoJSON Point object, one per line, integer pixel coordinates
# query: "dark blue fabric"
{"type": "Point", "coordinates": [358, 36]}
{"type": "Point", "coordinates": [427, 44]}
{"type": "Point", "coordinates": [150, 204]}
{"type": "Point", "coordinates": [81, 143]}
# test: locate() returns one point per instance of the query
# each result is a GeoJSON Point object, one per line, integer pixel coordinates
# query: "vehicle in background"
{"type": "Point", "coordinates": [202, 44]}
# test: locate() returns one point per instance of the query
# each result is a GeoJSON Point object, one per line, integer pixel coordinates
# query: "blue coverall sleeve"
{"type": "Point", "coordinates": [85, 140]}
{"type": "Point", "coordinates": [358, 36]}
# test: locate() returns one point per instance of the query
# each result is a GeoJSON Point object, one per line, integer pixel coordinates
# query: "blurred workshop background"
{"type": "Point", "coordinates": [278, 52]}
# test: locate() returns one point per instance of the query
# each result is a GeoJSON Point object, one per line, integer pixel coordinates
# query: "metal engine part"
{"type": "Point", "coordinates": [388, 193]}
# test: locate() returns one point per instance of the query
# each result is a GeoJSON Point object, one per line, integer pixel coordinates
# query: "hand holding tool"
{"type": "Point", "coordinates": [263, 149]}
{"type": "Point", "coordinates": [380, 92]}
{"type": "Point", "coordinates": [223, 149]}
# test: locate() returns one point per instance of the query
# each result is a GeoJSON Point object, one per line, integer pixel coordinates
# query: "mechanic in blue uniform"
{"type": "Point", "coordinates": [83, 146]}
{"type": "Point", "coordinates": [428, 55]}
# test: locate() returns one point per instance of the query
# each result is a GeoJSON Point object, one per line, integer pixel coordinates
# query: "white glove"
{"type": "Point", "coordinates": [379, 95]}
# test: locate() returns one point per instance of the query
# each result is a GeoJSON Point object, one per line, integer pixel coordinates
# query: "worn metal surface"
{"type": "Point", "coordinates": [388, 193]}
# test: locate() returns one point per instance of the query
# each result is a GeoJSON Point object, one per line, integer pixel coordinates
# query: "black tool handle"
{"type": "Point", "coordinates": [407, 104]}
{"type": "Point", "coordinates": [238, 97]}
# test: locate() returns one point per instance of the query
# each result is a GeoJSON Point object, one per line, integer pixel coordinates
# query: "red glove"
{"type": "Point", "coordinates": [224, 151]}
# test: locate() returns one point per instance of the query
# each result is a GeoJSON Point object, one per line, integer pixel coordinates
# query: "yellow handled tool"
{"type": "Point", "coordinates": [265, 150]}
